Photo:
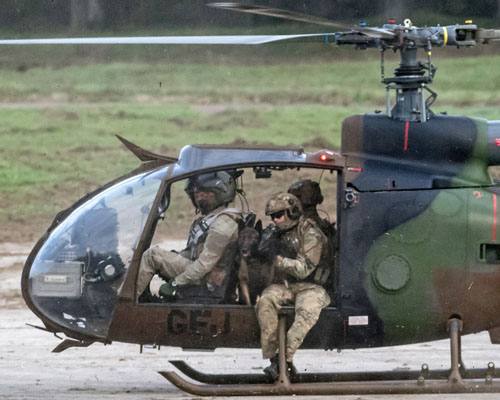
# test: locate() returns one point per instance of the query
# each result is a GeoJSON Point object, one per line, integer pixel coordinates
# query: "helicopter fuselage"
{"type": "Point", "coordinates": [417, 243]}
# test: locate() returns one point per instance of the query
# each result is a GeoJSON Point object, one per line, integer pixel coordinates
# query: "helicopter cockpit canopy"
{"type": "Point", "coordinates": [76, 276]}
{"type": "Point", "coordinates": [76, 273]}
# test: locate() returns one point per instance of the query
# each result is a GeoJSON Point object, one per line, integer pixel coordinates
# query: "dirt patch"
{"type": "Point", "coordinates": [24, 229]}
{"type": "Point", "coordinates": [318, 143]}
{"type": "Point", "coordinates": [12, 258]}
{"type": "Point", "coordinates": [28, 369]}
{"type": "Point", "coordinates": [26, 214]}
{"type": "Point", "coordinates": [211, 108]}
{"type": "Point", "coordinates": [91, 149]}
{"type": "Point", "coordinates": [10, 281]}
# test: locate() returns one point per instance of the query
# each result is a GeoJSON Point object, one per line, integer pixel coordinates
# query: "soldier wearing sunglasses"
{"type": "Point", "coordinates": [298, 255]}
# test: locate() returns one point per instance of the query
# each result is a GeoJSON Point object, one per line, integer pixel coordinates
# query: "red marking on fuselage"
{"type": "Point", "coordinates": [478, 194]}
{"type": "Point", "coordinates": [494, 234]}
{"type": "Point", "coordinates": [407, 128]}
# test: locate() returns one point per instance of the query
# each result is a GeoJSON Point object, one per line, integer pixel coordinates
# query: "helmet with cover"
{"type": "Point", "coordinates": [221, 183]}
{"type": "Point", "coordinates": [286, 205]}
{"type": "Point", "coordinates": [308, 192]}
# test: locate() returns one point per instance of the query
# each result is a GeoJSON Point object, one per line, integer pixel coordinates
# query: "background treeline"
{"type": "Point", "coordinates": [29, 15]}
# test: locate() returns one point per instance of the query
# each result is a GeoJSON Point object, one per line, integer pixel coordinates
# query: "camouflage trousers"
{"type": "Point", "coordinates": [157, 261]}
{"type": "Point", "coordinates": [309, 300]}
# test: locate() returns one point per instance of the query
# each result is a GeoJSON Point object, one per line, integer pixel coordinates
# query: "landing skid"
{"type": "Point", "coordinates": [455, 380]}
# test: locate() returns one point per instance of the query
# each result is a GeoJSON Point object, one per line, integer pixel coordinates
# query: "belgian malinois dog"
{"type": "Point", "coordinates": [253, 275]}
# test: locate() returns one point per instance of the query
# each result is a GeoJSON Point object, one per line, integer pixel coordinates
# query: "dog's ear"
{"type": "Point", "coordinates": [258, 227]}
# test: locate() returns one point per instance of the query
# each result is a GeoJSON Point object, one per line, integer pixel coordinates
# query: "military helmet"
{"type": "Point", "coordinates": [308, 192]}
{"type": "Point", "coordinates": [221, 183]}
{"type": "Point", "coordinates": [287, 203]}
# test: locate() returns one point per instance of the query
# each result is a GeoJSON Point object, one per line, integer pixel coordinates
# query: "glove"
{"type": "Point", "coordinates": [168, 289]}
{"type": "Point", "coordinates": [286, 252]}
{"type": "Point", "coordinates": [268, 245]}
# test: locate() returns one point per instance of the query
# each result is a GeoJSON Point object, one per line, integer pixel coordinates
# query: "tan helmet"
{"type": "Point", "coordinates": [287, 203]}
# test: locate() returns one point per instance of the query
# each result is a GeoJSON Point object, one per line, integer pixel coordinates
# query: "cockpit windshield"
{"type": "Point", "coordinates": [77, 274]}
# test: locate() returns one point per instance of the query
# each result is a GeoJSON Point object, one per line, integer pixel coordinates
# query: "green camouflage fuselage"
{"type": "Point", "coordinates": [420, 231]}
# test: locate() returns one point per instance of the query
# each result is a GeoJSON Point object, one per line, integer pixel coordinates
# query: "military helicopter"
{"type": "Point", "coordinates": [417, 247]}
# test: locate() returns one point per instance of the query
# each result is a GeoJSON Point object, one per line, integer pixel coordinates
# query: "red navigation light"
{"type": "Point", "coordinates": [497, 142]}
{"type": "Point", "coordinates": [324, 156]}
{"type": "Point", "coordinates": [392, 21]}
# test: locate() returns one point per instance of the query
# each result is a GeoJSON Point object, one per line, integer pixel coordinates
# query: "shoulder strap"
{"type": "Point", "coordinates": [236, 215]}
{"type": "Point", "coordinates": [199, 230]}
{"type": "Point", "coordinates": [205, 223]}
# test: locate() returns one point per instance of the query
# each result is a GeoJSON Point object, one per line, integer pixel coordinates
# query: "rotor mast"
{"type": "Point", "coordinates": [409, 83]}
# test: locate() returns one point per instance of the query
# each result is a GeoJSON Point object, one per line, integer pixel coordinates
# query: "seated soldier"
{"type": "Point", "coordinates": [296, 252]}
{"type": "Point", "coordinates": [211, 245]}
{"type": "Point", "coordinates": [309, 194]}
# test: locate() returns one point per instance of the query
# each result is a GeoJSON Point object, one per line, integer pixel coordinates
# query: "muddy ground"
{"type": "Point", "coordinates": [28, 369]}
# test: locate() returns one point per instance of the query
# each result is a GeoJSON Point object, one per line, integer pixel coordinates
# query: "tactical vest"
{"type": "Point", "coordinates": [197, 236]}
{"type": "Point", "coordinates": [290, 244]}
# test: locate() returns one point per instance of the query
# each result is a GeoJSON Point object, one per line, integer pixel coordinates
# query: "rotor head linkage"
{"type": "Point", "coordinates": [409, 82]}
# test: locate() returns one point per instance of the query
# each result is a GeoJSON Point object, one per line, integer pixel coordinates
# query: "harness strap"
{"type": "Point", "coordinates": [202, 227]}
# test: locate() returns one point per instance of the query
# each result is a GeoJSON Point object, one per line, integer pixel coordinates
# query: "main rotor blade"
{"type": "Point", "coordinates": [242, 39]}
{"type": "Point", "coordinates": [295, 16]}
{"type": "Point", "coordinates": [486, 35]}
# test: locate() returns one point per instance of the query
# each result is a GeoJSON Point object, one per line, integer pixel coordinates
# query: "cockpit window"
{"type": "Point", "coordinates": [207, 270]}
{"type": "Point", "coordinates": [78, 272]}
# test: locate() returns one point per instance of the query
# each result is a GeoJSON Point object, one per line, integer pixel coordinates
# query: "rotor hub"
{"type": "Point", "coordinates": [409, 82]}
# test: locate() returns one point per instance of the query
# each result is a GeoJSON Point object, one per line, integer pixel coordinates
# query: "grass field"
{"type": "Point", "coordinates": [59, 117]}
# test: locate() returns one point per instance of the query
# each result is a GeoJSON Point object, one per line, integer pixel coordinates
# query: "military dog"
{"type": "Point", "coordinates": [252, 274]}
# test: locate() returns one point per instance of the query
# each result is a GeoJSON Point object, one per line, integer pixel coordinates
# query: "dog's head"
{"type": "Point", "coordinates": [248, 241]}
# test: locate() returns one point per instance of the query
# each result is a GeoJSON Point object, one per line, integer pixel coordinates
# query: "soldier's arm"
{"type": "Point", "coordinates": [308, 256]}
{"type": "Point", "coordinates": [222, 232]}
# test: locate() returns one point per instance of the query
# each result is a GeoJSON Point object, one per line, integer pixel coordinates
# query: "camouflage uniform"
{"type": "Point", "coordinates": [310, 196]}
{"type": "Point", "coordinates": [205, 260]}
{"type": "Point", "coordinates": [303, 247]}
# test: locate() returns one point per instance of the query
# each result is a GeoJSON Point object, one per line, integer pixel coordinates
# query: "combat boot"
{"type": "Point", "coordinates": [148, 297]}
{"type": "Point", "coordinates": [273, 370]}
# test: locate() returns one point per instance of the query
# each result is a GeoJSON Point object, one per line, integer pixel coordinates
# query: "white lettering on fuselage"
{"type": "Point", "coordinates": [358, 320]}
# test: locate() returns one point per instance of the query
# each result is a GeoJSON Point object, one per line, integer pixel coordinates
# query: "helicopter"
{"type": "Point", "coordinates": [417, 244]}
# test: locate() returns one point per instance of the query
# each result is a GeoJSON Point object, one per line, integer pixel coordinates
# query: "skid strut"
{"type": "Point", "coordinates": [455, 380]}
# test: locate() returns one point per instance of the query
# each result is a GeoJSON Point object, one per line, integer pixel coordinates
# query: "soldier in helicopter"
{"type": "Point", "coordinates": [295, 247]}
{"type": "Point", "coordinates": [209, 254]}
{"type": "Point", "coordinates": [310, 196]}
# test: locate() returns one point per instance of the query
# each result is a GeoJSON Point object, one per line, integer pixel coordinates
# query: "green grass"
{"type": "Point", "coordinates": [58, 123]}
{"type": "Point", "coordinates": [35, 140]}
{"type": "Point", "coordinates": [458, 81]}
